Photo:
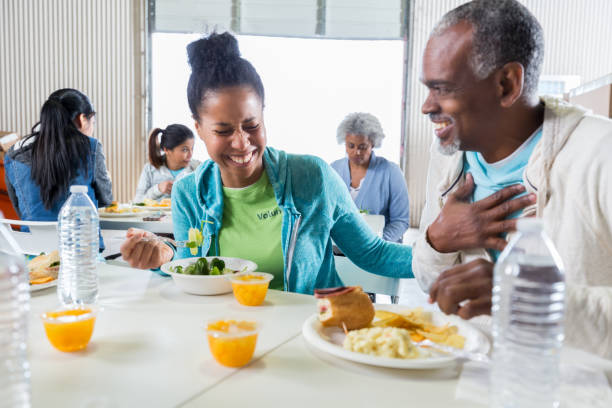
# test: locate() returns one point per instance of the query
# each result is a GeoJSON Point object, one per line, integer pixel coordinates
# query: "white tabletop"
{"type": "Point", "coordinates": [304, 377]}
{"type": "Point", "coordinates": [149, 349]}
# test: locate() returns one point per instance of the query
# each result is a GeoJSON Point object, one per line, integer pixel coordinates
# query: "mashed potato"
{"type": "Point", "coordinates": [389, 342]}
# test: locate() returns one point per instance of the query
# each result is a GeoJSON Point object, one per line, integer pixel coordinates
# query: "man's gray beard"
{"type": "Point", "coordinates": [450, 149]}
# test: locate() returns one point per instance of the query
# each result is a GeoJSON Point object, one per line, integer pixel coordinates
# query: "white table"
{"type": "Point", "coordinates": [149, 349]}
{"type": "Point", "coordinates": [304, 377]}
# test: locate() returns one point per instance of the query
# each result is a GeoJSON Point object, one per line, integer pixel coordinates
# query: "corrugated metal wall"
{"type": "Point", "coordinates": [577, 36]}
{"type": "Point", "coordinates": [576, 40]}
{"type": "Point", "coordinates": [418, 136]}
{"type": "Point", "coordinates": [96, 46]}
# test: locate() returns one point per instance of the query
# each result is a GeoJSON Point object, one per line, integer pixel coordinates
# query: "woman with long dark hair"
{"type": "Point", "coordinates": [59, 152]}
{"type": "Point", "coordinates": [170, 152]}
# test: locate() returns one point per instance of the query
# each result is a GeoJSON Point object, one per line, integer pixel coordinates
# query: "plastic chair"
{"type": "Point", "coordinates": [376, 222]}
{"type": "Point", "coordinates": [42, 237]}
{"type": "Point", "coordinates": [352, 275]}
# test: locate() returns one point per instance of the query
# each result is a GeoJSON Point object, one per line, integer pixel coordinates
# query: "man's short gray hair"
{"type": "Point", "coordinates": [504, 31]}
{"type": "Point", "coordinates": [362, 124]}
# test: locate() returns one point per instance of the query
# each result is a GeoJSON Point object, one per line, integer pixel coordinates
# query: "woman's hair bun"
{"type": "Point", "coordinates": [211, 50]}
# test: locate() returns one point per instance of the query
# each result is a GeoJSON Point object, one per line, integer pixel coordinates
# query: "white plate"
{"type": "Point", "coordinates": [143, 213]}
{"type": "Point", "coordinates": [206, 284]}
{"type": "Point", "coordinates": [41, 286]}
{"type": "Point", "coordinates": [330, 339]}
{"type": "Point", "coordinates": [152, 208]}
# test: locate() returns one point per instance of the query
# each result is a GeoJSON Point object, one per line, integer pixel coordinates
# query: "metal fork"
{"type": "Point", "coordinates": [177, 244]}
{"type": "Point", "coordinates": [157, 238]}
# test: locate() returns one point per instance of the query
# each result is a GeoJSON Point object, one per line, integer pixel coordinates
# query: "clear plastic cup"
{"type": "Point", "coordinates": [70, 328]}
{"type": "Point", "coordinates": [232, 341]}
{"type": "Point", "coordinates": [250, 288]}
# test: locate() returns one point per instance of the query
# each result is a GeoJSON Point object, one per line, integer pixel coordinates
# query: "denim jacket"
{"type": "Point", "coordinates": [316, 208]}
{"type": "Point", "coordinates": [25, 194]}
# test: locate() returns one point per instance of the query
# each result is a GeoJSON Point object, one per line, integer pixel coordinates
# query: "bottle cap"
{"type": "Point", "coordinates": [529, 224]}
{"type": "Point", "coordinates": [78, 189]}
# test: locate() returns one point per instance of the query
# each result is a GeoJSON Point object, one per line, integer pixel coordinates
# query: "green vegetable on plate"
{"type": "Point", "coordinates": [202, 267]}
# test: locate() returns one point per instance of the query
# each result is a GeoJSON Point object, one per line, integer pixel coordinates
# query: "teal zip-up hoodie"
{"type": "Point", "coordinates": [316, 208]}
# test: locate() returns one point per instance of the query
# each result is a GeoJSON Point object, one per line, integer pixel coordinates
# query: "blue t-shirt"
{"type": "Point", "coordinates": [491, 177]}
{"type": "Point", "coordinates": [176, 172]}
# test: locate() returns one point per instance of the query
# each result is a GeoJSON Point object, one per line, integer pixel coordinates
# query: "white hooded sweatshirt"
{"type": "Point", "coordinates": [570, 171]}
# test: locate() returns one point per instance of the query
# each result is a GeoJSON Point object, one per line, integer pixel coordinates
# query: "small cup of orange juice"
{"type": "Point", "coordinates": [232, 341]}
{"type": "Point", "coordinates": [70, 328]}
{"type": "Point", "coordinates": [250, 288]}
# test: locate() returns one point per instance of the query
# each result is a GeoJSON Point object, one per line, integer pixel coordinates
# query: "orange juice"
{"type": "Point", "coordinates": [69, 329]}
{"type": "Point", "coordinates": [250, 289]}
{"type": "Point", "coordinates": [232, 342]}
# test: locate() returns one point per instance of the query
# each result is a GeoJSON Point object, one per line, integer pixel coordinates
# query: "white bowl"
{"type": "Point", "coordinates": [206, 284]}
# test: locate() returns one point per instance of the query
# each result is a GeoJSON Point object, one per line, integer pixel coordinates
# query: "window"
{"type": "Point", "coordinates": [310, 84]}
{"type": "Point", "coordinates": [557, 85]}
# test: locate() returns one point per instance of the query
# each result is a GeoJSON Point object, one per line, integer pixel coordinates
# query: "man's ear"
{"type": "Point", "coordinates": [510, 80]}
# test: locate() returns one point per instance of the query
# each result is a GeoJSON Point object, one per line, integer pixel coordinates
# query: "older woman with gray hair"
{"type": "Point", "coordinates": [376, 185]}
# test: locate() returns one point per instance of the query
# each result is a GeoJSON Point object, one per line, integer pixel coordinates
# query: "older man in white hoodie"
{"type": "Point", "coordinates": [481, 65]}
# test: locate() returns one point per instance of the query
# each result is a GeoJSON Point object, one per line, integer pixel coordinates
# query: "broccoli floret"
{"type": "Point", "coordinates": [216, 262]}
{"type": "Point", "coordinates": [202, 267]}
{"type": "Point", "coordinates": [191, 270]}
{"type": "Point", "coordinates": [177, 269]}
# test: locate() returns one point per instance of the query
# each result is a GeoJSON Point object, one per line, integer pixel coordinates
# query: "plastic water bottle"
{"type": "Point", "coordinates": [528, 312]}
{"type": "Point", "coordinates": [14, 308]}
{"type": "Point", "coordinates": [78, 226]}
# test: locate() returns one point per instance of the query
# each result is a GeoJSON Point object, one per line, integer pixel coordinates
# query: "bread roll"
{"type": "Point", "coordinates": [348, 307]}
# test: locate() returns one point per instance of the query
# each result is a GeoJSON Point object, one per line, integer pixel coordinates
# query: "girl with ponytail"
{"type": "Point", "coordinates": [170, 152]}
{"type": "Point", "coordinates": [58, 153]}
{"type": "Point", "coordinates": [254, 202]}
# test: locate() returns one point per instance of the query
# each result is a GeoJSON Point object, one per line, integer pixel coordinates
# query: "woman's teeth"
{"type": "Point", "coordinates": [441, 125]}
{"type": "Point", "coordinates": [242, 159]}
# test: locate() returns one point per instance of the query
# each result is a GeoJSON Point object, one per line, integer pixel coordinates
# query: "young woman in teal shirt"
{"type": "Point", "coordinates": [277, 209]}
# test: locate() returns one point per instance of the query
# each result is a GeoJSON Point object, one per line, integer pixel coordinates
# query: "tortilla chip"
{"type": "Point", "coordinates": [41, 280]}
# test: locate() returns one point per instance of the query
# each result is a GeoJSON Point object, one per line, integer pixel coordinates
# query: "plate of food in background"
{"type": "Point", "coordinates": [43, 270]}
{"type": "Point", "coordinates": [116, 210]}
{"type": "Point", "coordinates": [348, 326]}
{"type": "Point", "coordinates": [164, 204]}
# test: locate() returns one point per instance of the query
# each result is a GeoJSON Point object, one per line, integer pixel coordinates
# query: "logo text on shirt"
{"type": "Point", "coordinates": [264, 215]}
